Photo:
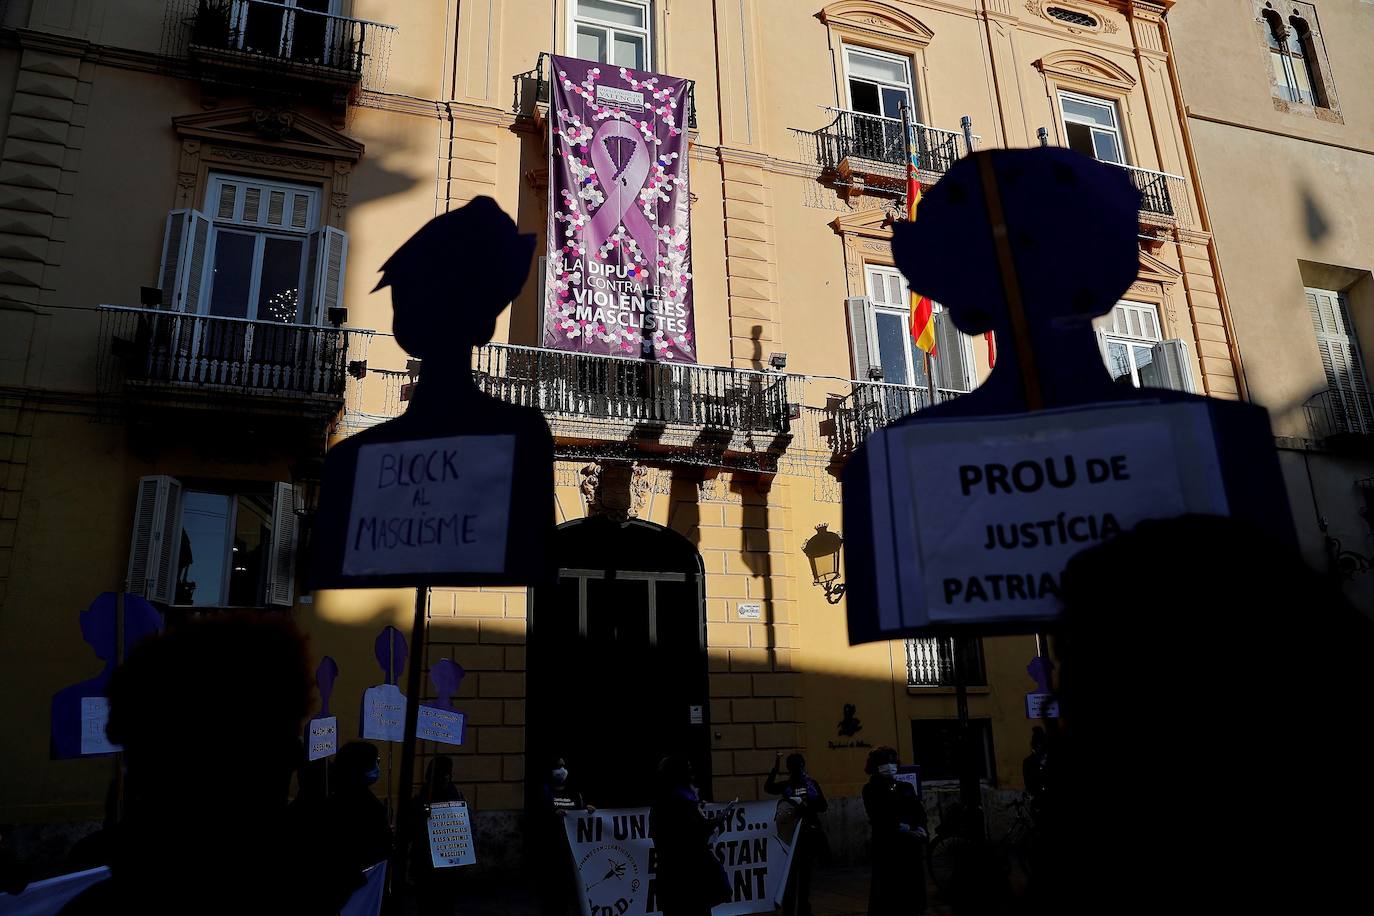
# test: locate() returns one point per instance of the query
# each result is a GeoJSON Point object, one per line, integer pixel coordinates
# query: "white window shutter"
{"type": "Point", "coordinates": [281, 565]}
{"type": "Point", "coordinates": [1102, 347]}
{"type": "Point", "coordinates": [329, 278]}
{"type": "Point", "coordinates": [952, 363]}
{"type": "Point", "coordinates": [1175, 365]}
{"type": "Point", "coordinates": [185, 252]}
{"type": "Point", "coordinates": [861, 333]}
{"type": "Point", "coordinates": [156, 538]}
{"type": "Point", "coordinates": [309, 285]}
{"type": "Point", "coordinates": [1348, 393]}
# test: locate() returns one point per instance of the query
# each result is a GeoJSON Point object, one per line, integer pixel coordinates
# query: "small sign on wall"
{"type": "Point", "coordinates": [749, 611]}
{"type": "Point", "coordinates": [695, 714]}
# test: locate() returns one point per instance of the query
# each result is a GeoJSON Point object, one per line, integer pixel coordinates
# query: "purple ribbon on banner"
{"type": "Point", "coordinates": [628, 179]}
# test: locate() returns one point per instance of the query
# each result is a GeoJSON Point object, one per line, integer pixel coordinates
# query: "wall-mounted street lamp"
{"type": "Point", "coordinates": [822, 549]}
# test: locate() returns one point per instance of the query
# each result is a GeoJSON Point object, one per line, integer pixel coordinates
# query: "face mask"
{"type": "Point", "coordinates": [560, 774]}
{"type": "Point", "coordinates": [373, 775]}
{"type": "Point", "coordinates": [888, 769]}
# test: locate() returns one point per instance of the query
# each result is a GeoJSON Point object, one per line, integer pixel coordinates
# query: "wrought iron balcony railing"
{"type": "Point", "coordinates": [864, 144]}
{"type": "Point", "coordinates": [311, 43]}
{"type": "Point", "coordinates": [1162, 196]}
{"type": "Point", "coordinates": [930, 662]}
{"type": "Point", "coordinates": [532, 92]}
{"type": "Point", "coordinates": [156, 350]}
{"type": "Point", "coordinates": [1340, 414]}
{"type": "Point", "coordinates": [871, 406]}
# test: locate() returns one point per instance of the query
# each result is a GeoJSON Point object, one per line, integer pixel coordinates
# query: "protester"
{"type": "Point", "coordinates": [898, 821]}
{"type": "Point", "coordinates": [1037, 774]}
{"type": "Point", "coordinates": [209, 715]}
{"type": "Point", "coordinates": [436, 889]}
{"type": "Point", "coordinates": [559, 797]}
{"type": "Point", "coordinates": [690, 879]}
{"type": "Point", "coordinates": [1257, 643]}
{"type": "Point", "coordinates": [804, 794]}
{"type": "Point", "coordinates": [357, 817]}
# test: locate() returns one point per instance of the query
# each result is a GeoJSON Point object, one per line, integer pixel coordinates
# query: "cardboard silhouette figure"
{"type": "Point", "coordinates": [439, 721]}
{"type": "Point", "coordinates": [322, 732]}
{"type": "Point", "coordinates": [384, 706]}
{"type": "Point", "coordinates": [458, 490]}
{"type": "Point", "coordinates": [989, 244]}
{"type": "Point", "coordinates": [80, 711]}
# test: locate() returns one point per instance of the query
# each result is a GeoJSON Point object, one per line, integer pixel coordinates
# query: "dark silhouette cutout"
{"type": "Point", "coordinates": [850, 725]}
{"type": "Point", "coordinates": [1056, 204]}
{"type": "Point", "coordinates": [391, 650]}
{"type": "Point", "coordinates": [449, 282]}
{"type": "Point", "coordinates": [207, 830]}
{"type": "Point", "coordinates": [1246, 607]}
{"type": "Point", "coordinates": [98, 628]}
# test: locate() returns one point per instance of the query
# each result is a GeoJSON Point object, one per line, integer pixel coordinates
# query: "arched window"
{"type": "Point", "coordinates": [1291, 54]}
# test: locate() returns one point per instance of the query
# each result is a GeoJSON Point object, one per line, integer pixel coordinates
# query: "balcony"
{"type": "Point", "coordinates": [266, 45]}
{"type": "Point", "coordinates": [1163, 197]}
{"type": "Point", "coordinates": [871, 406]}
{"type": "Point", "coordinates": [532, 93]}
{"type": "Point", "coordinates": [1341, 419]}
{"type": "Point", "coordinates": [168, 358]}
{"type": "Point", "coordinates": [867, 150]}
{"type": "Point", "coordinates": [930, 662]}
{"type": "Point", "coordinates": [639, 405]}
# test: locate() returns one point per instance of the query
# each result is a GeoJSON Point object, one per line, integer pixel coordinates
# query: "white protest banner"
{"type": "Point", "coordinates": [993, 508]}
{"type": "Point", "coordinates": [450, 835]}
{"type": "Point", "coordinates": [95, 715]}
{"type": "Point", "coordinates": [1042, 706]}
{"type": "Point", "coordinates": [323, 737]}
{"type": "Point", "coordinates": [384, 713]}
{"type": "Point", "coordinates": [615, 863]}
{"type": "Point", "coordinates": [430, 506]}
{"type": "Point", "coordinates": [442, 725]}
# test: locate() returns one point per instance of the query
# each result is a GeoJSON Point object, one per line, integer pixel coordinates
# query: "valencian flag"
{"type": "Point", "coordinates": [922, 310]}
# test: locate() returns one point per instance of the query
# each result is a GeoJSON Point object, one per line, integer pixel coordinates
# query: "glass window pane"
{"type": "Point", "coordinates": [279, 292]}
{"type": "Point", "coordinates": [204, 549]}
{"type": "Point", "coordinates": [1304, 82]}
{"type": "Point", "coordinates": [1106, 148]}
{"type": "Point", "coordinates": [248, 553]}
{"type": "Point", "coordinates": [1150, 374]}
{"type": "Point", "coordinates": [591, 43]}
{"type": "Point", "coordinates": [873, 67]}
{"type": "Point", "coordinates": [1119, 362]}
{"type": "Point", "coordinates": [1080, 138]}
{"type": "Point", "coordinates": [894, 289]}
{"type": "Point", "coordinates": [1281, 76]}
{"type": "Point", "coordinates": [893, 99]}
{"type": "Point", "coordinates": [233, 272]}
{"type": "Point", "coordinates": [1149, 328]}
{"type": "Point", "coordinates": [631, 14]}
{"type": "Point", "coordinates": [1099, 113]}
{"type": "Point", "coordinates": [893, 347]}
{"type": "Point", "coordinates": [863, 97]}
{"type": "Point", "coordinates": [629, 51]}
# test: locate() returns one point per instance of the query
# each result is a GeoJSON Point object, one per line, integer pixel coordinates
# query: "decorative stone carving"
{"type": "Point", "coordinates": [615, 489]}
{"type": "Point", "coordinates": [275, 123]}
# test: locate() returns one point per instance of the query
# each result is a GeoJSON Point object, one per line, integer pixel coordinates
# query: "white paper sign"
{"type": "Point", "coordinates": [430, 506]}
{"type": "Point", "coordinates": [442, 725]}
{"type": "Point", "coordinates": [95, 715]}
{"type": "Point", "coordinates": [384, 713]}
{"type": "Point", "coordinates": [1000, 506]}
{"type": "Point", "coordinates": [749, 611]}
{"type": "Point", "coordinates": [1042, 706]}
{"type": "Point", "coordinates": [323, 737]}
{"type": "Point", "coordinates": [694, 715]}
{"type": "Point", "coordinates": [450, 835]}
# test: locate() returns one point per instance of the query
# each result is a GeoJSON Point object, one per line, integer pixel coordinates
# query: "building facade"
{"type": "Point", "coordinates": [195, 198]}
{"type": "Point", "coordinates": [1291, 100]}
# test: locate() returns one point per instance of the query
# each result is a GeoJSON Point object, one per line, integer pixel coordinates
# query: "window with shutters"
{"type": "Point", "coordinates": [891, 347]}
{"type": "Point", "coordinates": [615, 32]}
{"type": "Point", "coordinates": [210, 546]}
{"type": "Point", "coordinates": [1128, 335]}
{"type": "Point", "coordinates": [1349, 405]}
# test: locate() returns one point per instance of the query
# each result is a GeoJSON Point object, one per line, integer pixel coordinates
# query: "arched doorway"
{"type": "Point", "coordinates": [617, 674]}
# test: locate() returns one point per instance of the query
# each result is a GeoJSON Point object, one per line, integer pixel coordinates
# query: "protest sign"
{"type": "Point", "coordinates": [95, 715]}
{"type": "Point", "coordinates": [384, 713]}
{"type": "Point", "coordinates": [430, 506]}
{"type": "Point", "coordinates": [1042, 706]}
{"type": "Point", "coordinates": [442, 725]}
{"type": "Point", "coordinates": [615, 863]}
{"type": "Point", "coordinates": [322, 737]}
{"type": "Point", "coordinates": [450, 835]}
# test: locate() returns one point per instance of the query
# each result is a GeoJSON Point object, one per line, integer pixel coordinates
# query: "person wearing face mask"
{"type": "Point", "coordinates": [898, 821]}
{"type": "Point", "coordinates": [560, 797]}
{"type": "Point", "coordinates": [357, 817]}
{"type": "Point", "coordinates": [806, 802]}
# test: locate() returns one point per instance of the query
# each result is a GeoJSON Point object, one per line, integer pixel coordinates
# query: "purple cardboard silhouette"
{"type": "Point", "coordinates": [325, 676]}
{"type": "Point", "coordinates": [322, 731]}
{"type": "Point", "coordinates": [99, 625]}
{"type": "Point", "coordinates": [438, 720]}
{"type": "Point", "coordinates": [384, 706]}
{"type": "Point", "coordinates": [457, 490]}
{"type": "Point", "coordinates": [1076, 453]}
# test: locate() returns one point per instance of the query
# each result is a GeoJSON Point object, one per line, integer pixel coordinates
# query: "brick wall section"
{"type": "Point", "coordinates": [749, 263]}
{"type": "Point", "coordinates": [16, 434]}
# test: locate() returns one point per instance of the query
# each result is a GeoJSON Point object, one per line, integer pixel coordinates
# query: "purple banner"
{"type": "Point", "coordinates": [619, 271]}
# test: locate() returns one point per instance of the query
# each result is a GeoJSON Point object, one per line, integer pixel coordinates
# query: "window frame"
{"type": "Point", "coordinates": [576, 17]}
{"type": "Point", "coordinates": [261, 232]}
{"type": "Point", "coordinates": [910, 87]}
{"type": "Point", "coordinates": [1110, 104]}
{"type": "Point", "coordinates": [904, 311]}
{"type": "Point", "coordinates": [234, 495]}
{"type": "Point", "coordinates": [1128, 340]}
